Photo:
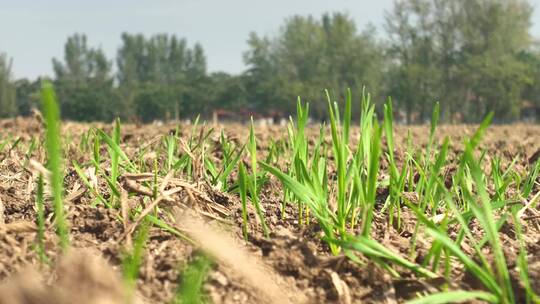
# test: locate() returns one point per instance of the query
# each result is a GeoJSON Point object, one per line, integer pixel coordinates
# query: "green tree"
{"type": "Point", "coordinates": [262, 80]}
{"type": "Point", "coordinates": [531, 93]}
{"type": "Point", "coordinates": [153, 101]}
{"type": "Point", "coordinates": [8, 105]}
{"type": "Point", "coordinates": [147, 66]}
{"type": "Point", "coordinates": [28, 95]}
{"type": "Point", "coordinates": [309, 55]}
{"type": "Point", "coordinates": [462, 53]}
{"type": "Point", "coordinates": [494, 33]}
{"type": "Point", "coordinates": [415, 74]}
{"type": "Point", "coordinates": [197, 89]}
{"type": "Point", "coordinates": [84, 82]}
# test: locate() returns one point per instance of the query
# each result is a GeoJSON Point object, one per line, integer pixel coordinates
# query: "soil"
{"type": "Point", "coordinates": [293, 252]}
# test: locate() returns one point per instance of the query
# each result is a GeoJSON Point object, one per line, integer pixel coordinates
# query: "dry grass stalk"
{"type": "Point", "coordinates": [222, 247]}
{"type": "Point", "coordinates": [82, 277]}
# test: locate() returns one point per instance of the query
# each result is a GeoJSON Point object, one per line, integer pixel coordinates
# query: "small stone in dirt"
{"type": "Point", "coordinates": [341, 288]}
{"type": "Point", "coordinates": [219, 278]}
{"type": "Point", "coordinates": [284, 233]}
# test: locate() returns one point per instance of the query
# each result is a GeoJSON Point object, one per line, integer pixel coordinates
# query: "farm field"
{"type": "Point", "coordinates": [351, 212]}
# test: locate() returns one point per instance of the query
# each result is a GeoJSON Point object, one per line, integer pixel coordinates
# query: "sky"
{"type": "Point", "coordinates": [32, 32]}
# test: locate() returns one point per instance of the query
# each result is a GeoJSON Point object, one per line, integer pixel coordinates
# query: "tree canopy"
{"type": "Point", "coordinates": [472, 56]}
{"type": "Point", "coordinates": [8, 106]}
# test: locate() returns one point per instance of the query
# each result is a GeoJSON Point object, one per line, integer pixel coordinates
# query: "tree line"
{"type": "Point", "coordinates": [472, 56]}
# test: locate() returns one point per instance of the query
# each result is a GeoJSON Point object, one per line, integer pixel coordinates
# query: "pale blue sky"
{"type": "Point", "coordinates": [34, 31]}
